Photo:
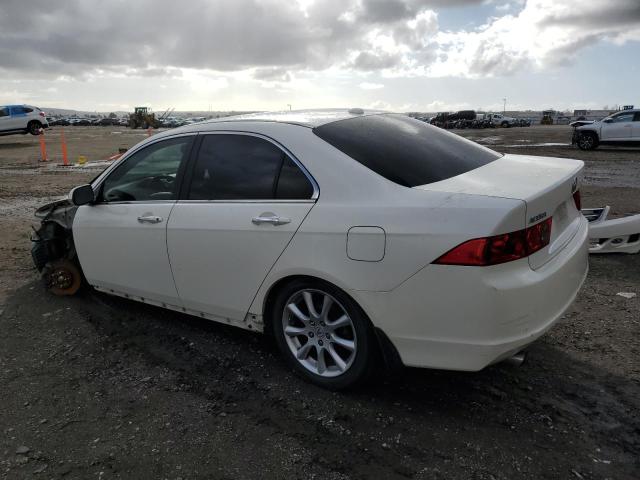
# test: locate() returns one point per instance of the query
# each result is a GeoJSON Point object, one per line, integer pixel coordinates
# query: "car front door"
{"type": "Point", "coordinates": [245, 200]}
{"type": "Point", "coordinates": [121, 238]}
{"type": "Point", "coordinates": [618, 127]}
{"type": "Point", "coordinates": [5, 119]}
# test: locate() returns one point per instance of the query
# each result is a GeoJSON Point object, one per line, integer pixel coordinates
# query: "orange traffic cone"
{"type": "Point", "coordinates": [43, 147]}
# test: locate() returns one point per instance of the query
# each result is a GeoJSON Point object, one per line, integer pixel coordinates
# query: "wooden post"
{"type": "Point", "coordinates": [65, 159]}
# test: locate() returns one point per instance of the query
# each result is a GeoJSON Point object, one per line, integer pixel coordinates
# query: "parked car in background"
{"type": "Point", "coordinates": [621, 128]}
{"type": "Point", "coordinates": [500, 120]}
{"type": "Point", "coordinates": [22, 119]}
{"type": "Point", "coordinates": [59, 122]}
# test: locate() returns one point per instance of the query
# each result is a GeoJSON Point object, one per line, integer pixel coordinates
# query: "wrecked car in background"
{"type": "Point", "coordinates": [619, 235]}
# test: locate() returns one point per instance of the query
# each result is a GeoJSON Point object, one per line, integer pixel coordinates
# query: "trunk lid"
{"type": "Point", "coordinates": [545, 184]}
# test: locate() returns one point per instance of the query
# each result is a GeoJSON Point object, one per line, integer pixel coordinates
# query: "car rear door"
{"type": "Point", "coordinates": [635, 127]}
{"type": "Point", "coordinates": [121, 238]}
{"type": "Point", "coordinates": [244, 200]}
{"type": "Point", "coordinates": [617, 128]}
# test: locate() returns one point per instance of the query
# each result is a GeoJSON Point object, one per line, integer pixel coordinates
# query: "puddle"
{"type": "Point", "coordinates": [488, 140]}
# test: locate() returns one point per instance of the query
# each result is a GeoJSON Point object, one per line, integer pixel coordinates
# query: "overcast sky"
{"type": "Point", "coordinates": [403, 55]}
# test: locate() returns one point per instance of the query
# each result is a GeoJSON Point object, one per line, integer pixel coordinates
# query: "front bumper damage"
{"type": "Point", "coordinates": [619, 235]}
{"type": "Point", "coordinates": [53, 251]}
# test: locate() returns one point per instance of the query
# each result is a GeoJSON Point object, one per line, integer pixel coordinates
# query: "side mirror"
{"type": "Point", "coordinates": [82, 195]}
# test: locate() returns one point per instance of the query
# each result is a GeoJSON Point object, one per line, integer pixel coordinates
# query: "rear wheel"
{"type": "Point", "coordinates": [587, 141]}
{"type": "Point", "coordinates": [323, 334]}
{"type": "Point", "coordinates": [505, 124]}
{"type": "Point", "coordinates": [34, 127]}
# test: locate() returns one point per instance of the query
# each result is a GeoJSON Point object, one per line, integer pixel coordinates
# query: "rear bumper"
{"type": "Point", "coordinates": [465, 318]}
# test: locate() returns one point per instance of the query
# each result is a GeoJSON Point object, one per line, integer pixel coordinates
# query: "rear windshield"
{"type": "Point", "coordinates": [404, 150]}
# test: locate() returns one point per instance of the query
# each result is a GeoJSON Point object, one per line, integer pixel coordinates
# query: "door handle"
{"type": "Point", "coordinates": [273, 220]}
{"type": "Point", "coordinates": [150, 219]}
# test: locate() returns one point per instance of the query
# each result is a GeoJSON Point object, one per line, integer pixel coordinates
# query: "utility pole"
{"type": "Point", "coordinates": [289, 105]}
{"type": "Point", "coordinates": [504, 105]}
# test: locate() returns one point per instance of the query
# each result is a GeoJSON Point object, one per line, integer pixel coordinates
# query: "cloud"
{"type": "Point", "coordinates": [272, 74]}
{"type": "Point", "coordinates": [371, 86]}
{"type": "Point", "coordinates": [275, 40]}
{"type": "Point", "coordinates": [544, 33]}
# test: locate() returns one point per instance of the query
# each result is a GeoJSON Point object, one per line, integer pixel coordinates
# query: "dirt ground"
{"type": "Point", "coordinates": [100, 387]}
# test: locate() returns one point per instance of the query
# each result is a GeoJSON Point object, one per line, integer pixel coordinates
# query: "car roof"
{"type": "Point", "coordinates": [305, 118]}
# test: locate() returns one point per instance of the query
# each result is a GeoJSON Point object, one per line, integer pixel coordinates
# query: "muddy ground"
{"type": "Point", "coordinates": [101, 387]}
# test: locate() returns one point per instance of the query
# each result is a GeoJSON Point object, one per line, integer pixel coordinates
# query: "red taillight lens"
{"type": "Point", "coordinates": [577, 200]}
{"type": "Point", "coordinates": [538, 236]}
{"type": "Point", "coordinates": [42, 114]}
{"type": "Point", "coordinates": [499, 248]}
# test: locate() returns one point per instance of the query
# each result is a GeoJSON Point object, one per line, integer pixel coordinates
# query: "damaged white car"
{"type": "Point", "coordinates": [349, 236]}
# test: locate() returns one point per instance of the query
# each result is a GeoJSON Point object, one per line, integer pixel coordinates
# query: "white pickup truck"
{"type": "Point", "coordinates": [621, 128]}
{"type": "Point", "coordinates": [499, 120]}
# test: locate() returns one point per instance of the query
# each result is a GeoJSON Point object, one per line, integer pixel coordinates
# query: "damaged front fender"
{"type": "Point", "coordinates": [620, 235]}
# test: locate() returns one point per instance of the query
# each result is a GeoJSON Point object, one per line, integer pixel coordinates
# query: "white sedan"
{"type": "Point", "coordinates": [349, 236]}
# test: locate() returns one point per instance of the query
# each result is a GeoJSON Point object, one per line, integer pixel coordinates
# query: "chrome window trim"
{"type": "Point", "coordinates": [314, 184]}
{"type": "Point", "coordinates": [140, 202]}
{"type": "Point", "coordinates": [265, 200]}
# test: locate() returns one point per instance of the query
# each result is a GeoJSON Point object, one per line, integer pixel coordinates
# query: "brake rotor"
{"type": "Point", "coordinates": [62, 277]}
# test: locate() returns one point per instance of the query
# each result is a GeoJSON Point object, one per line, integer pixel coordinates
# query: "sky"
{"type": "Point", "coordinates": [399, 55]}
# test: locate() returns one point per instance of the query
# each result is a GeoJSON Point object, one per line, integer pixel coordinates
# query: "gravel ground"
{"type": "Point", "coordinates": [101, 387]}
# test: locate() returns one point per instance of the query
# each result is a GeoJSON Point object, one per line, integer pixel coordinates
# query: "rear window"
{"type": "Point", "coordinates": [404, 150]}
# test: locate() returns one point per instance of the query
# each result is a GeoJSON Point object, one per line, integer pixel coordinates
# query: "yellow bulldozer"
{"type": "Point", "coordinates": [547, 117]}
{"type": "Point", "coordinates": [142, 117]}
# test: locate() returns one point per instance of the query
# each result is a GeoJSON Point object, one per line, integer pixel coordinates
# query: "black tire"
{"type": "Point", "coordinates": [505, 125]}
{"type": "Point", "coordinates": [587, 141]}
{"type": "Point", "coordinates": [365, 353]}
{"type": "Point", "coordinates": [34, 127]}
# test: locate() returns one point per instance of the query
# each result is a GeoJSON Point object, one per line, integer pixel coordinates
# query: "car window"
{"type": "Point", "coordinates": [27, 110]}
{"type": "Point", "coordinates": [293, 184]}
{"type": "Point", "coordinates": [404, 150]}
{"type": "Point", "coordinates": [636, 117]}
{"type": "Point", "coordinates": [624, 117]}
{"type": "Point", "coordinates": [245, 167]}
{"type": "Point", "coordinates": [4, 112]}
{"type": "Point", "coordinates": [149, 174]}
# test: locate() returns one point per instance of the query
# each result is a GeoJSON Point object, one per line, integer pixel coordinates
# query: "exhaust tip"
{"type": "Point", "coordinates": [517, 359]}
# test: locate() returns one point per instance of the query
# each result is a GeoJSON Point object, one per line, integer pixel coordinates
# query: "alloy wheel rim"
{"type": "Point", "coordinates": [587, 141]}
{"type": "Point", "coordinates": [319, 332]}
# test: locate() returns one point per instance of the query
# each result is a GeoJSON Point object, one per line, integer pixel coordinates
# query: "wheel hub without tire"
{"type": "Point", "coordinates": [319, 333]}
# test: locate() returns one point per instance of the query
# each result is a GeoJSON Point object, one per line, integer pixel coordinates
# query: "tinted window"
{"type": "Point", "coordinates": [292, 183]}
{"type": "Point", "coordinates": [149, 174]}
{"type": "Point", "coordinates": [636, 117]}
{"type": "Point", "coordinates": [623, 117]}
{"type": "Point", "coordinates": [406, 151]}
{"type": "Point", "coordinates": [244, 167]}
{"type": "Point", "coordinates": [27, 110]}
{"type": "Point", "coordinates": [4, 112]}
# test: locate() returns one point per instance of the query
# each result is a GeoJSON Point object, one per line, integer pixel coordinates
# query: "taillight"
{"type": "Point", "coordinates": [42, 114]}
{"type": "Point", "coordinates": [499, 248]}
{"type": "Point", "coordinates": [577, 200]}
